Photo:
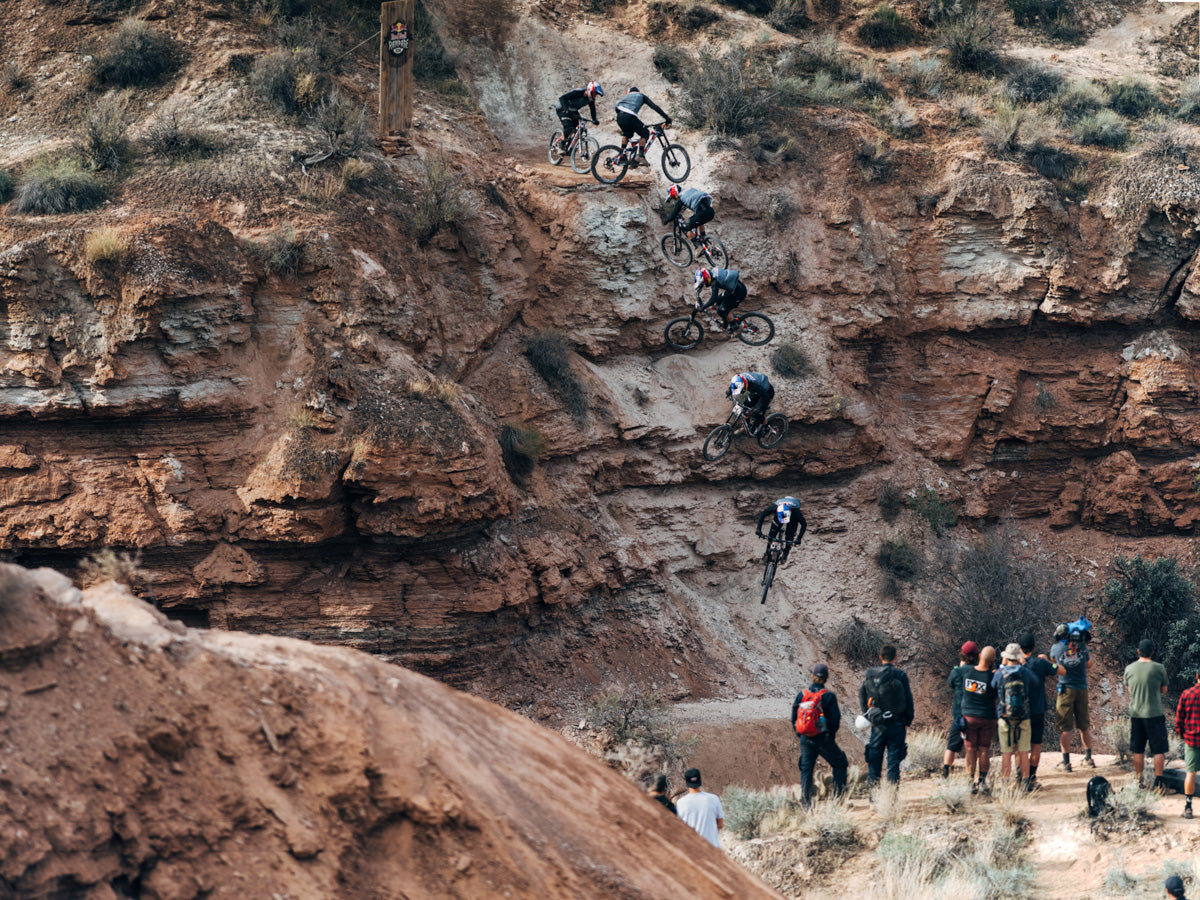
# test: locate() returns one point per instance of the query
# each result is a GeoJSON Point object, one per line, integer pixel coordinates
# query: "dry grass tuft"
{"type": "Point", "coordinates": [105, 245]}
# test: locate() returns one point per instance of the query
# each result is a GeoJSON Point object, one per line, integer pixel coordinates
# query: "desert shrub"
{"type": "Point", "coordinates": [281, 251]}
{"type": "Point", "coordinates": [1079, 98]}
{"type": "Point", "coordinates": [58, 186]}
{"type": "Point", "coordinates": [1059, 164]}
{"type": "Point", "coordinates": [829, 824]}
{"type": "Point", "coordinates": [100, 141]}
{"type": "Point", "coordinates": [745, 810]}
{"type": "Point", "coordinates": [549, 353]}
{"type": "Point", "coordinates": [969, 109]}
{"type": "Point", "coordinates": [307, 32]}
{"type": "Point", "coordinates": [1037, 12]}
{"type": "Point", "coordinates": [175, 135]}
{"type": "Point", "coordinates": [355, 172]}
{"type": "Point", "coordinates": [109, 565]}
{"type": "Point", "coordinates": [1132, 96]}
{"type": "Point", "coordinates": [13, 76]}
{"type": "Point", "coordinates": [891, 500]}
{"type": "Point", "coordinates": [971, 41]}
{"type": "Point", "coordinates": [438, 199]}
{"type": "Point", "coordinates": [289, 80]}
{"type": "Point", "coordinates": [886, 29]}
{"type": "Point", "coordinates": [858, 641]}
{"type": "Point", "coordinates": [874, 160]}
{"type": "Point", "coordinates": [340, 125]}
{"type": "Point", "coordinates": [938, 514]}
{"type": "Point", "coordinates": [788, 15]}
{"type": "Point", "coordinates": [694, 16]}
{"type": "Point", "coordinates": [780, 210]}
{"type": "Point", "coordinates": [722, 95]}
{"type": "Point", "coordinates": [899, 560]}
{"type": "Point", "coordinates": [925, 752]}
{"type": "Point", "coordinates": [952, 794]}
{"type": "Point", "coordinates": [136, 55]}
{"type": "Point", "coordinates": [987, 591]}
{"type": "Point", "coordinates": [1167, 143]}
{"type": "Point", "coordinates": [1187, 107]}
{"type": "Point", "coordinates": [1033, 84]}
{"type": "Point", "coordinates": [521, 448]}
{"type": "Point", "coordinates": [1130, 809]}
{"type": "Point", "coordinates": [1116, 735]}
{"type": "Point", "coordinates": [1152, 598]}
{"type": "Point", "coordinates": [902, 118]}
{"type": "Point", "coordinates": [1103, 128]}
{"type": "Point", "coordinates": [923, 75]}
{"type": "Point", "coordinates": [790, 361]}
{"type": "Point", "coordinates": [672, 62]}
{"type": "Point", "coordinates": [6, 186]}
{"type": "Point", "coordinates": [105, 245]}
{"type": "Point", "coordinates": [631, 714]}
{"type": "Point", "coordinates": [822, 54]}
{"type": "Point", "coordinates": [433, 388]}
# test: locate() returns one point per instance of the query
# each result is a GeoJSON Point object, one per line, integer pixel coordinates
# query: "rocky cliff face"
{"type": "Point", "coordinates": [316, 454]}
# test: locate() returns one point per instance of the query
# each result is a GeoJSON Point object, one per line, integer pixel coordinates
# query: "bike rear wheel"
{"type": "Point", "coordinates": [609, 165]}
{"type": "Point", "coordinates": [714, 251]}
{"type": "Point", "coordinates": [773, 430]}
{"type": "Point", "coordinates": [676, 163]}
{"type": "Point", "coordinates": [718, 442]}
{"type": "Point", "coordinates": [756, 329]}
{"type": "Point", "coordinates": [683, 333]}
{"type": "Point", "coordinates": [768, 579]}
{"type": "Point", "coordinates": [677, 249]}
{"type": "Point", "coordinates": [554, 152]}
{"type": "Point", "coordinates": [583, 154]}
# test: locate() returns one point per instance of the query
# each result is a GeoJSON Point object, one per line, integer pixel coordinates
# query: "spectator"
{"type": "Point", "coordinates": [1014, 685]}
{"type": "Point", "coordinates": [659, 792]}
{"type": "Point", "coordinates": [887, 702]}
{"type": "Point", "coordinates": [1147, 684]}
{"type": "Point", "coordinates": [819, 707]}
{"type": "Point", "coordinates": [979, 717]}
{"type": "Point", "coordinates": [1174, 886]}
{"type": "Point", "coordinates": [1073, 661]}
{"type": "Point", "coordinates": [968, 656]}
{"type": "Point", "coordinates": [1187, 724]}
{"type": "Point", "coordinates": [1042, 668]}
{"type": "Point", "coordinates": [701, 810]}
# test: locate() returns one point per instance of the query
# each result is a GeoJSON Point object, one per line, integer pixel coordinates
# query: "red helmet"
{"type": "Point", "coordinates": [703, 277]}
{"type": "Point", "coordinates": [736, 385]}
{"type": "Point", "coordinates": [673, 191]}
{"type": "Point", "coordinates": [593, 89]}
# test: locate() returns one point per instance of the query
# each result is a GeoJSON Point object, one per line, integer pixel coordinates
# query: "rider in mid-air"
{"type": "Point", "coordinates": [628, 108]}
{"type": "Point", "coordinates": [753, 390]}
{"type": "Point", "coordinates": [727, 291]}
{"type": "Point", "coordinates": [569, 105]}
{"type": "Point", "coordinates": [699, 203]}
{"type": "Point", "coordinates": [787, 518]}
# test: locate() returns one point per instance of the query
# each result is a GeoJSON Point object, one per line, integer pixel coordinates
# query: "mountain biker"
{"type": "Point", "coordinates": [753, 390]}
{"type": "Point", "coordinates": [727, 291]}
{"type": "Point", "coordinates": [787, 518]}
{"type": "Point", "coordinates": [699, 203]}
{"type": "Point", "coordinates": [569, 105]}
{"type": "Point", "coordinates": [628, 108]}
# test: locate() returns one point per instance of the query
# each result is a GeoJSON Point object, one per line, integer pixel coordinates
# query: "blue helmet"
{"type": "Point", "coordinates": [593, 89]}
{"type": "Point", "coordinates": [737, 385]}
{"type": "Point", "coordinates": [783, 509]}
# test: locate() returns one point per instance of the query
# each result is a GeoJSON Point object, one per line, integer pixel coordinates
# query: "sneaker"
{"type": "Point", "coordinates": [1187, 812]}
{"type": "Point", "coordinates": [1064, 767]}
{"type": "Point", "coordinates": [1089, 762]}
{"type": "Point", "coordinates": [974, 787]}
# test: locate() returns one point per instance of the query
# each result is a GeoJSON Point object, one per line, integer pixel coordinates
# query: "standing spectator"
{"type": "Point", "coordinates": [1014, 685]}
{"type": "Point", "coordinates": [979, 717]}
{"type": "Point", "coordinates": [1187, 724]}
{"type": "Point", "coordinates": [1174, 886]}
{"type": "Point", "coordinates": [701, 810]}
{"type": "Point", "coordinates": [886, 700]}
{"type": "Point", "coordinates": [968, 656]}
{"type": "Point", "coordinates": [1042, 668]}
{"type": "Point", "coordinates": [816, 718]}
{"type": "Point", "coordinates": [659, 792]}
{"type": "Point", "coordinates": [1073, 661]}
{"type": "Point", "coordinates": [1147, 684]}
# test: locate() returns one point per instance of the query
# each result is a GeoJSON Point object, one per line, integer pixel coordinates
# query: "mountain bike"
{"type": "Point", "coordinates": [582, 148]}
{"type": "Point", "coordinates": [677, 247]}
{"type": "Point", "coordinates": [611, 162]}
{"type": "Point", "coordinates": [685, 332]}
{"type": "Point", "coordinates": [768, 433]}
{"type": "Point", "coordinates": [771, 561]}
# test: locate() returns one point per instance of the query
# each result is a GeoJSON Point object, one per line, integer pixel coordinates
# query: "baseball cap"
{"type": "Point", "coordinates": [1174, 886]}
{"type": "Point", "coordinates": [968, 648]}
{"type": "Point", "coordinates": [820, 670]}
{"type": "Point", "coordinates": [1027, 642]}
{"type": "Point", "coordinates": [692, 778]}
{"type": "Point", "coordinates": [1146, 648]}
{"type": "Point", "coordinates": [1013, 652]}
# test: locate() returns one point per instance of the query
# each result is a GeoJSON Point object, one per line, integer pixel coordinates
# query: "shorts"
{"type": "Point", "coordinates": [731, 299]}
{"type": "Point", "coordinates": [701, 216]}
{"type": "Point", "coordinates": [978, 733]}
{"type": "Point", "coordinates": [631, 125]}
{"type": "Point", "coordinates": [1010, 730]}
{"type": "Point", "coordinates": [1153, 730]}
{"type": "Point", "coordinates": [1071, 710]}
{"type": "Point", "coordinates": [1191, 758]}
{"type": "Point", "coordinates": [1037, 728]}
{"type": "Point", "coordinates": [954, 742]}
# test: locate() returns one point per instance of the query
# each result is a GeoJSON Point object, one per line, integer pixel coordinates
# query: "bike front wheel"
{"type": "Point", "coordinates": [677, 249]}
{"type": "Point", "coordinates": [773, 430]}
{"type": "Point", "coordinates": [718, 442]}
{"type": "Point", "coordinates": [756, 329]}
{"type": "Point", "coordinates": [714, 251]}
{"type": "Point", "coordinates": [583, 154]}
{"type": "Point", "coordinates": [683, 333]}
{"type": "Point", "coordinates": [676, 163]}
{"type": "Point", "coordinates": [555, 152]}
{"type": "Point", "coordinates": [609, 164]}
{"type": "Point", "coordinates": [768, 579]}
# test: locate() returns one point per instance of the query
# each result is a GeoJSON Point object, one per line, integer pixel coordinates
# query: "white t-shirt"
{"type": "Point", "coordinates": [701, 811]}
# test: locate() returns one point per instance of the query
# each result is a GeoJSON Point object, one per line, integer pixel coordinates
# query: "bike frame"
{"type": "Point", "coordinates": [738, 415]}
{"type": "Point", "coordinates": [579, 135]}
{"type": "Point", "coordinates": [656, 131]}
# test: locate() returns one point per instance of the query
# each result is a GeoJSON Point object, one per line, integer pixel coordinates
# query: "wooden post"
{"type": "Point", "coordinates": [397, 42]}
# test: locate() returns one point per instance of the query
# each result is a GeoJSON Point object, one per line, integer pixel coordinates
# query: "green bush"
{"type": "Point", "coordinates": [58, 186]}
{"type": "Point", "coordinates": [6, 186]}
{"type": "Point", "coordinates": [923, 75]}
{"type": "Point", "coordinates": [1152, 598]}
{"type": "Point", "coordinates": [1057, 164]}
{"type": "Point", "coordinates": [790, 361]}
{"type": "Point", "coordinates": [694, 16]}
{"type": "Point", "coordinates": [1033, 84]}
{"type": "Point", "coordinates": [886, 29]}
{"type": "Point", "coordinates": [136, 55]}
{"type": "Point", "coordinates": [307, 32]}
{"type": "Point", "coordinates": [745, 810]}
{"type": "Point", "coordinates": [521, 448]}
{"type": "Point", "coordinates": [788, 15]}
{"type": "Point", "coordinates": [875, 160]}
{"type": "Point", "coordinates": [289, 80]}
{"type": "Point", "coordinates": [858, 641]}
{"type": "Point", "coordinates": [971, 40]}
{"type": "Point", "coordinates": [1079, 98]}
{"type": "Point", "coordinates": [1133, 97]}
{"type": "Point", "coordinates": [101, 141]}
{"type": "Point", "coordinates": [1103, 128]}
{"type": "Point", "coordinates": [341, 126]}
{"type": "Point", "coordinates": [549, 353]}
{"type": "Point", "coordinates": [175, 135]}
{"type": "Point", "coordinates": [13, 76]}
{"type": "Point", "coordinates": [1187, 107]}
{"type": "Point", "coordinates": [722, 95]}
{"type": "Point", "coordinates": [633, 714]}
{"type": "Point", "coordinates": [281, 251]}
{"type": "Point", "coordinates": [438, 199]}
{"type": "Point", "coordinates": [937, 513]}
{"type": "Point", "coordinates": [899, 559]}
{"type": "Point", "coordinates": [671, 62]}
{"type": "Point", "coordinates": [823, 54]}
{"type": "Point", "coordinates": [891, 500]}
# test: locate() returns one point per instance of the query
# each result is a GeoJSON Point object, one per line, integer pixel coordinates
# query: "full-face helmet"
{"type": "Point", "coordinates": [703, 277]}
{"type": "Point", "coordinates": [593, 89]}
{"type": "Point", "coordinates": [736, 386]}
{"type": "Point", "coordinates": [673, 192]}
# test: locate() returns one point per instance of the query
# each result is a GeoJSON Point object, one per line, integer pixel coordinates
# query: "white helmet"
{"type": "Point", "coordinates": [783, 513]}
{"type": "Point", "coordinates": [737, 385]}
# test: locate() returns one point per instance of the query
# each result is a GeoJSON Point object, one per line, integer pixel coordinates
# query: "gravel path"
{"type": "Point", "coordinates": [721, 712]}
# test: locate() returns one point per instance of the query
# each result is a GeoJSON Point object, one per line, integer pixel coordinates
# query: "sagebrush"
{"type": "Point", "coordinates": [137, 54]}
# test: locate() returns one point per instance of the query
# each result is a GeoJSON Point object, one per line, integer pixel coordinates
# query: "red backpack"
{"type": "Point", "coordinates": [810, 718]}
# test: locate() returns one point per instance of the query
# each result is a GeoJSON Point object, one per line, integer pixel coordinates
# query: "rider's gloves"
{"type": "Point", "coordinates": [668, 122]}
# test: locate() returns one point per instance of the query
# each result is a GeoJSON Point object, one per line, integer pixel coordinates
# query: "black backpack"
{"type": "Point", "coordinates": [885, 691]}
{"type": "Point", "coordinates": [1014, 697]}
{"type": "Point", "coordinates": [1097, 795]}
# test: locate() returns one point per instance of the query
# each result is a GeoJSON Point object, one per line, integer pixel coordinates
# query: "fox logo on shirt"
{"type": "Point", "coordinates": [975, 686]}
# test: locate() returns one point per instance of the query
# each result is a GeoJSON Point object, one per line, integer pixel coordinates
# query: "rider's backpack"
{"type": "Point", "coordinates": [1097, 795]}
{"type": "Point", "coordinates": [885, 691]}
{"type": "Point", "coordinates": [1172, 779]}
{"type": "Point", "coordinates": [810, 718]}
{"type": "Point", "coordinates": [1014, 697]}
